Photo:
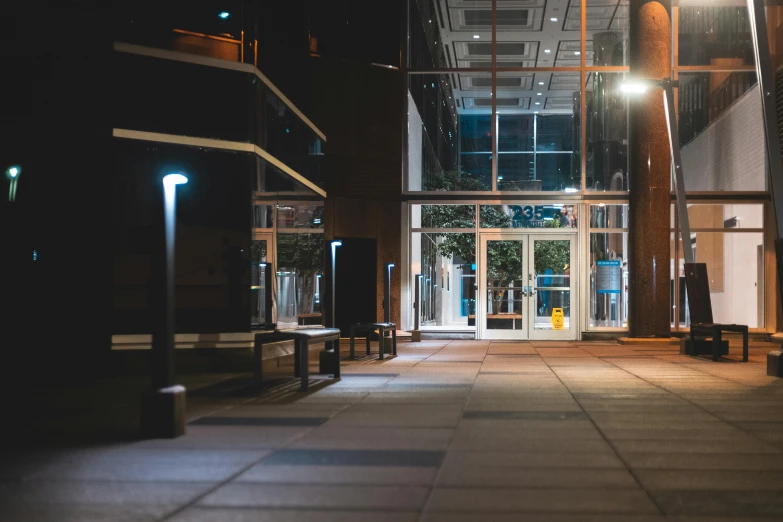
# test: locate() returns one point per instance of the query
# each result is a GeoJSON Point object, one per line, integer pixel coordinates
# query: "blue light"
{"type": "Point", "coordinates": [287, 130]}
{"type": "Point", "coordinates": [35, 255]}
{"type": "Point", "coordinates": [224, 15]}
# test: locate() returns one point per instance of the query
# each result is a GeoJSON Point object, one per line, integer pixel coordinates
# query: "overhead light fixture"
{"type": "Point", "coordinates": [577, 53]}
{"type": "Point", "coordinates": [553, 19]}
{"type": "Point", "coordinates": [476, 36]}
{"type": "Point", "coordinates": [224, 15]}
{"type": "Point", "coordinates": [538, 94]}
{"type": "Point", "coordinates": [540, 83]}
{"type": "Point", "coordinates": [534, 112]}
{"type": "Point", "coordinates": [571, 189]}
{"type": "Point", "coordinates": [547, 51]}
{"type": "Point", "coordinates": [538, 103]}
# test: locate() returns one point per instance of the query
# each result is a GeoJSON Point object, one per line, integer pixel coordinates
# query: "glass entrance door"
{"type": "Point", "coordinates": [525, 286]}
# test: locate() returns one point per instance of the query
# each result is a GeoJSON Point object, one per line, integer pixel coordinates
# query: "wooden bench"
{"type": "Point", "coordinates": [302, 338]}
{"type": "Point", "coordinates": [700, 306]}
{"type": "Point", "coordinates": [371, 327]}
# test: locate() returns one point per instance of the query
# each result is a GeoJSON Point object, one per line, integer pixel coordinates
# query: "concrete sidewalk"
{"type": "Point", "coordinates": [446, 431]}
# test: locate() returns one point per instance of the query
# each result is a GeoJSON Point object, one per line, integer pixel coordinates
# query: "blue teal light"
{"type": "Point", "coordinates": [224, 15]}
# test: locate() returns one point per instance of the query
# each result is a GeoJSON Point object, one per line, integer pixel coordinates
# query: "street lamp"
{"type": "Point", "coordinates": [336, 243]}
{"type": "Point", "coordinates": [641, 86]}
{"type": "Point", "coordinates": [163, 408]}
{"type": "Point", "coordinates": [13, 174]}
{"type": "Point", "coordinates": [387, 293]}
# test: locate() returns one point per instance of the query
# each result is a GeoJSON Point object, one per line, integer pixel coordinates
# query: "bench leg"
{"type": "Point", "coordinates": [745, 345]}
{"type": "Point", "coordinates": [257, 369]}
{"type": "Point", "coordinates": [394, 341]}
{"type": "Point", "coordinates": [717, 337]}
{"type": "Point", "coordinates": [304, 366]}
{"type": "Point", "coordinates": [381, 342]}
{"type": "Point", "coordinates": [297, 360]}
{"type": "Point", "coordinates": [336, 347]}
{"type": "Point", "coordinates": [367, 340]}
{"type": "Point", "coordinates": [353, 343]}
{"type": "Point", "coordinates": [692, 348]}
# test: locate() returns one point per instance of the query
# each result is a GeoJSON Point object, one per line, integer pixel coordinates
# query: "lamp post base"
{"type": "Point", "coordinates": [775, 363]}
{"type": "Point", "coordinates": [163, 413]}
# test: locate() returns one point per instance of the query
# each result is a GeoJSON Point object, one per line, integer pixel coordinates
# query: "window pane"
{"type": "Point", "coordinates": [447, 265]}
{"type": "Point", "coordinates": [608, 216]}
{"type": "Point", "coordinates": [515, 133]}
{"type": "Point", "coordinates": [714, 35]}
{"type": "Point", "coordinates": [443, 216]}
{"type": "Point", "coordinates": [721, 132]}
{"type": "Point", "coordinates": [262, 216]}
{"type": "Point", "coordinates": [607, 133]}
{"type": "Point", "coordinates": [300, 259]}
{"type": "Point", "coordinates": [528, 216]}
{"type": "Point", "coordinates": [446, 150]}
{"type": "Point", "coordinates": [726, 216]}
{"type": "Point", "coordinates": [609, 279]}
{"type": "Point", "coordinates": [735, 267]}
{"type": "Point", "coordinates": [300, 216]}
{"type": "Point", "coordinates": [607, 31]}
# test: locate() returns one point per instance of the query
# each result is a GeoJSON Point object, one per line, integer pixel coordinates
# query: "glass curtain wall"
{"type": "Point", "coordinates": [528, 104]}
{"type": "Point", "coordinates": [525, 98]}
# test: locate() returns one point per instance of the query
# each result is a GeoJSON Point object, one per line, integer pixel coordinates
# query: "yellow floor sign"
{"type": "Point", "coordinates": [557, 319]}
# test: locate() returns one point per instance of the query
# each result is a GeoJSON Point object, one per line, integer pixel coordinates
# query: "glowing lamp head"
{"type": "Point", "coordinates": [337, 243]}
{"type": "Point", "coordinates": [634, 87]}
{"type": "Point", "coordinates": [224, 15]}
{"type": "Point", "coordinates": [171, 180]}
{"type": "Point", "coordinates": [390, 266]}
{"type": "Point", "coordinates": [14, 172]}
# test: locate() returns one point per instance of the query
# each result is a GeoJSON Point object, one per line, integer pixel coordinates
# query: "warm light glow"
{"type": "Point", "coordinates": [174, 179]}
{"type": "Point", "coordinates": [634, 87]}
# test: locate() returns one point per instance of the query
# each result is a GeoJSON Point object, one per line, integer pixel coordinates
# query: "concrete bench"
{"type": "Point", "coordinates": [302, 338]}
{"type": "Point", "coordinates": [371, 327]}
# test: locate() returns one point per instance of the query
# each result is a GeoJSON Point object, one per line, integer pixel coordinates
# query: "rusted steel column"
{"type": "Point", "coordinates": [650, 178]}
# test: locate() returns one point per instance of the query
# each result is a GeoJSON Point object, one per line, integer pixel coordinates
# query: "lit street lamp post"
{"type": "Point", "coordinates": [335, 244]}
{"type": "Point", "coordinates": [163, 408]}
{"type": "Point", "coordinates": [641, 86]}
{"type": "Point", "coordinates": [13, 174]}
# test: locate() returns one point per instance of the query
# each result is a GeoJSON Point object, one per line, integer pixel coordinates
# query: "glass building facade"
{"type": "Point", "coordinates": [517, 153]}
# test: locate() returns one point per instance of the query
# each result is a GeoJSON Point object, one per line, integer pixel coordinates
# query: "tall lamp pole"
{"type": "Point", "coordinates": [766, 81]}
{"type": "Point", "coordinates": [387, 293]}
{"type": "Point", "coordinates": [163, 407]}
{"type": "Point", "coordinates": [336, 243]}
